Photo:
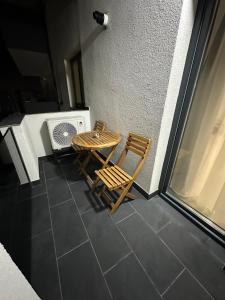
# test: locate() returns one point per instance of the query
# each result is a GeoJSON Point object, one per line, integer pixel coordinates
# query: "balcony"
{"type": "Point", "coordinates": [64, 241]}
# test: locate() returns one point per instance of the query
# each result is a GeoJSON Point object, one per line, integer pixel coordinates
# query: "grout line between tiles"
{"type": "Point", "coordinates": [61, 203]}
{"type": "Point", "coordinates": [54, 177]}
{"type": "Point", "coordinates": [185, 267]}
{"type": "Point", "coordinates": [127, 217]}
{"type": "Point", "coordinates": [110, 294]}
{"type": "Point", "coordinates": [57, 265]}
{"type": "Point", "coordinates": [201, 285]}
{"type": "Point", "coordinates": [163, 227]}
{"type": "Point", "coordinates": [37, 235]}
{"type": "Point", "coordinates": [172, 283]}
{"type": "Point", "coordinates": [171, 251]}
{"type": "Point", "coordinates": [88, 210]}
{"type": "Point", "coordinates": [142, 267]}
{"type": "Point", "coordinates": [30, 198]}
{"type": "Point", "coordinates": [75, 248]}
{"type": "Point", "coordinates": [117, 263]}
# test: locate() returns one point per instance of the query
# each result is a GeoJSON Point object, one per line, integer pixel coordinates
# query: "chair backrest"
{"type": "Point", "coordinates": [100, 126]}
{"type": "Point", "coordinates": [138, 145]}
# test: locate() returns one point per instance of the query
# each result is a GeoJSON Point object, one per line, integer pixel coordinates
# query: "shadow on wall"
{"type": "Point", "coordinates": [45, 138]}
{"type": "Point", "coordinates": [91, 38]}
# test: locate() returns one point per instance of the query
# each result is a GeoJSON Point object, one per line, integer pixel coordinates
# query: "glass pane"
{"type": "Point", "coordinates": [198, 177]}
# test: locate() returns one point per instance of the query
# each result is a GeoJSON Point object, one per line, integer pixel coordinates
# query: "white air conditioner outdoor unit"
{"type": "Point", "coordinates": [62, 130]}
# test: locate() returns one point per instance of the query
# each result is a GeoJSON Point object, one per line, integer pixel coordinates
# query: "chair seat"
{"type": "Point", "coordinates": [113, 177]}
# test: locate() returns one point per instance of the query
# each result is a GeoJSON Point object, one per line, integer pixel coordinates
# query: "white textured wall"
{"type": "Point", "coordinates": [180, 53]}
{"type": "Point", "coordinates": [127, 67]}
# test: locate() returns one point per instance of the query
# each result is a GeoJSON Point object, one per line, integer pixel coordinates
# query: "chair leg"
{"type": "Point", "coordinates": [119, 200]}
{"type": "Point", "coordinates": [94, 185]}
{"type": "Point", "coordinates": [102, 191]}
{"type": "Point", "coordinates": [128, 195]}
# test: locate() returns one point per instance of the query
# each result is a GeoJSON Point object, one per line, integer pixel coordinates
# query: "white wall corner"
{"type": "Point", "coordinates": [182, 43]}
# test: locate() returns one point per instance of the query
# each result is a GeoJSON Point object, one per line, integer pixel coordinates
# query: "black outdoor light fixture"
{"type": "Point", "coordinates": [101, 18]}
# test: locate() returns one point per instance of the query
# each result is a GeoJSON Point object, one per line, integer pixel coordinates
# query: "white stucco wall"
{"type": "Point", "coordinates": [127, 67]}
{"type": "Point", "coordinates": [180, 53]}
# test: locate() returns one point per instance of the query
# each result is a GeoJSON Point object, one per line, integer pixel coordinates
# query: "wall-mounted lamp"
{"type": "Point", "coordinates": [101, 18]}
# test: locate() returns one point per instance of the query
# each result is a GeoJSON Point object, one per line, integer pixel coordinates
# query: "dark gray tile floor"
{"type": "Point", "coordinates": [68, 247]}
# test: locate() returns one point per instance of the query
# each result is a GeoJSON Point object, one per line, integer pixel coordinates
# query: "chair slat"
{"type": "Point", "coordinates": [136, 141]}
{"type": "Point", "coordinates": [118, 178]}
{"type": "Point", "coordinates": [123, 172]}
{"type": "Point", "coordinates": [100, 126]}
{"type": "Point", "coordinates": [125, 177]}
{"type": "Point", "coordinates": [105, 179]}
{"type": "Point", "coordinates": [134, 145]}
{"type": "Point", "coordinates": [139, 137]}
{"type": "Point", "coordinates": [136, 151]}
{"type": "Point", "coordinates": [111, 175]}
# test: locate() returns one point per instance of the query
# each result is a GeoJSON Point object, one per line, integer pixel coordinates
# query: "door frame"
{"type": "Point", "coordinates": [202, 28]}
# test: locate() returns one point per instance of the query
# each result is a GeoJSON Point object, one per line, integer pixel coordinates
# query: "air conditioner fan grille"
{"type": "Point", "coordinates": [63, 133]}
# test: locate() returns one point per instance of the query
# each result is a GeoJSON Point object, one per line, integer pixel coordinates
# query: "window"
{"type": "Point", "coordinates": [74, 77]}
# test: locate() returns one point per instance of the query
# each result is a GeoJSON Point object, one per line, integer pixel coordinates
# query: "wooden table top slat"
{"type": "Point", "coordinates": [88, 140]}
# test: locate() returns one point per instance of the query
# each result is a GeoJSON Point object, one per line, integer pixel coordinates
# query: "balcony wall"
{"type": "Point", "coordinates": [132, 70]}
{"type": "Point", "coordinates": [127, 66]}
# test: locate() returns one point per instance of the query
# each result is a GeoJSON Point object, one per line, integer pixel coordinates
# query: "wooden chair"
{"type": "Point", "coordinates": [115, 178]}
{"type": "Point", "coordinates": [100, 126]}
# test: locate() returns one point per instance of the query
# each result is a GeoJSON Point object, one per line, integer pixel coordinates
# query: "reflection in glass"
{"type": "Point", "coordinates": [198, 177]}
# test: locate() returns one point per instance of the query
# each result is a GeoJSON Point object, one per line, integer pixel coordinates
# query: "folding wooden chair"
{"type": "Point", "coordinates": [115, 178]}
{"type": "Point", "coordinates": [100, 126]}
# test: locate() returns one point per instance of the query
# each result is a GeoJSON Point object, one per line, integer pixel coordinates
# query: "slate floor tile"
{"type": "Point", "coordinates": [161, 265]}
{"type": "Point", "coordinates": [205, 267]}
{"type": "Point", "coordinates": [36, 259]}
{"type": "Point", "coordinates": [128, 281]}
{"type": "Point", "coordinates": [68, 229]}
{"type": "Point", "coordinates": [44, 275]}
{"type": "Point", "coordinates": [32, 216]}
{"type": "Point", "coordinates": [27, 191]}
{"type": "Point", "coordinates": [186, 288]}
{"type": "Point", "coordinates": [67, 159]}
{"type": "Point", "coordinates": [81, 277]}
{"type": "Point", "coordinates": [52, 169]}
{"type": "Point", "coordinates": [58, 191]}
{"type": "Point", "coordinates": [152, 212]}
{"type": "Point", "coordinates": [84, 197]}
{"type": "Point", "coordinates": [215, 249]}
{"type": "Point", "coordinates": [107, 241]}
{"type": "Point", "coordinates": [71, 174]}
{"type": "Point", "coordinates": [178, 218]}
{"type": "Point", "coordinates": [124, 211]}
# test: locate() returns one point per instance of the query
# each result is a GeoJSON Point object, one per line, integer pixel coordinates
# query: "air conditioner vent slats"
{"type": "Point", "coordinates": [63, 133]}
{"type": "Point", "coordinates": [62, 130]}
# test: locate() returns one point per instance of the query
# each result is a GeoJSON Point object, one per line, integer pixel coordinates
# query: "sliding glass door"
{"type": "Point", "coordinates": [196, 177]}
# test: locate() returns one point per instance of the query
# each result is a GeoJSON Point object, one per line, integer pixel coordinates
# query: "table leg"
{"type": "Point", "coordinates": [84, 164]}
{"type": "Point", "coordinates": [104, 163]}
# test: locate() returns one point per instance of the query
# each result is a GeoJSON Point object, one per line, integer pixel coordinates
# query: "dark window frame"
{"type": "Point", "coordinates": [77, 59]}
{"type": "Point", "coordinates": [203, 24]}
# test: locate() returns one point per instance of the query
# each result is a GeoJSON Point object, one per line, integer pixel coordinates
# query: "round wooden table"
{"type": "Point", "coordinates": [94, 141]}
{"type": "Point", "coordinates": [89, 140]}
